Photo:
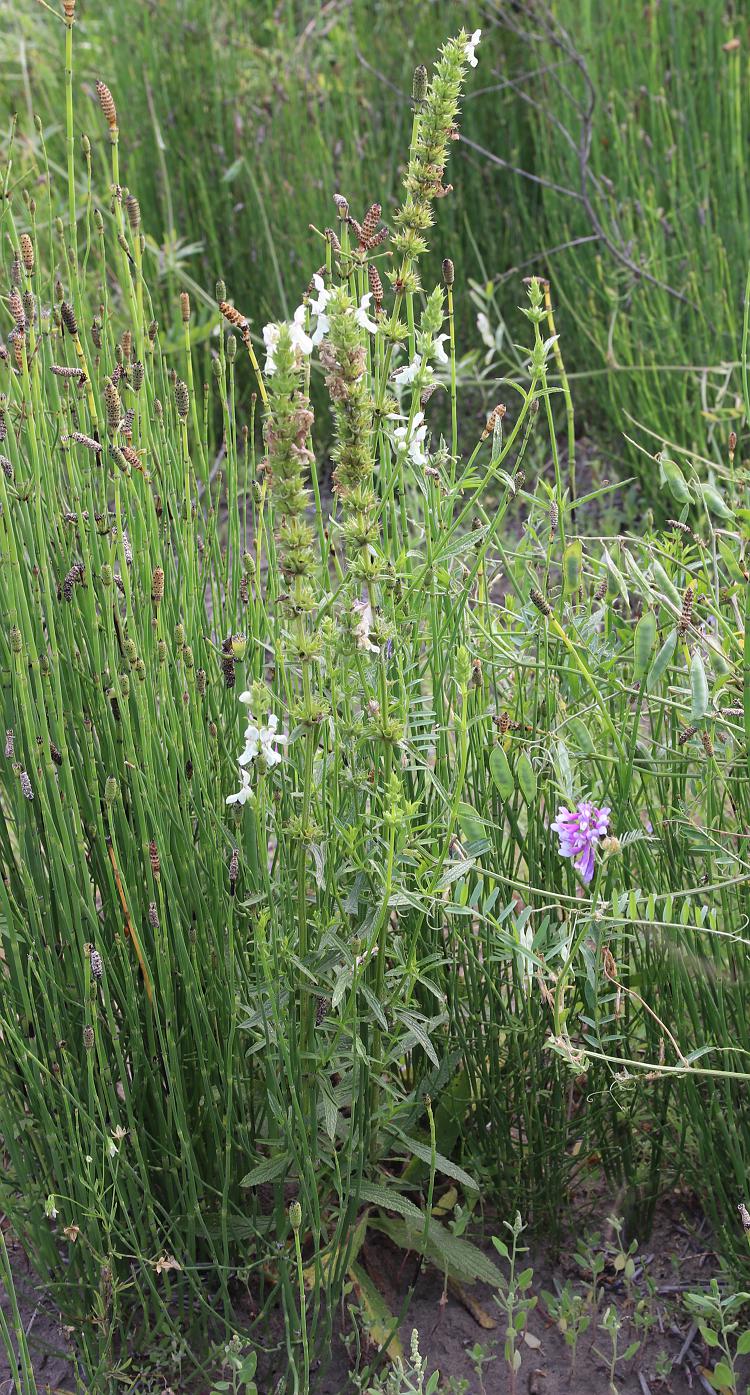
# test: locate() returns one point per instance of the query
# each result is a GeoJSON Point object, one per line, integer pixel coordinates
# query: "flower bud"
{"type": "Point", "coordinates": [295, 1215]}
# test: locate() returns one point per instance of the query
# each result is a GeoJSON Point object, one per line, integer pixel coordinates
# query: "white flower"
{"type": "Point", "coordinates": [50, 1210]}
{"type": "Point", "coordinates": [259, 741]}
{"type": "Point", "coordinates": [483, 325]}
{"type": "Point", "coordinates": [408, 373]}
{"type": "Point", "coordinates": [317, 307]}
{"type": "Point", "coordinates": [411, 438]}
{"type": "Point", "coordinates": [438, 351]}
{"type": "Point", "coordinates": [271, 334]}
{"type": "Point", "coordinates": [301, 340]}
{"type": "Point", "coordinates": [471, 44]}
{"type": "Point", "coordinates": [362, 629]}
{"type": "Point", "coordinates": [361, 316]}
{"type": "Point", "coordinates": [111, 1147]}
{"type": "Point", "coordinates": [244, 793]}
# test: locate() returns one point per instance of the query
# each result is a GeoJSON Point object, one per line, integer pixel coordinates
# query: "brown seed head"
{"type": "Point", "coordinates": [449, 272]}
{"type": "Point", "coordinates": [68, 317]}
{"type": "Point", "coordinates": [232, 314]}
{"type": "Point", "coordinates": [133, 210]}
{"type": "Point", "coordinates": [185, 307]}
{"type": "Point", "coordinates": [683, 624]}
{"type": "Point", "coordinates": [15, 305]}
{"type": "Point", "coordinates": [542, 605]}
{"type": "Point", "coordinates": [376, 285]}
{"type": "Point", "coordinates": [153, 855]}
{"type": "Point", "coordinates": [157, 585]}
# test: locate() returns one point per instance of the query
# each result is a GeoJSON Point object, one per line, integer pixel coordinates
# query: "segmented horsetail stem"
{"type": "Point", "coordinates": [27, 251]}
{"type": "Point", "coordinates": [107, 104]}
{"type": "Point", "coordinates": [234, 870]}
{"type": "Point", "coordinates": [154, 859]}
{"type": "Point", "coordinates": [686, 614]}
{"type": "Point", "coordinates": [97, 964]}
{"type": "Point", "coordinates": [185, 307]}
{"type": "Point", "coordinates": [133, 210]}
{"type": "Point", "coordinates": [10, 744]}
{"type": "Point", "coordinates": [68, 317]}
{"type": "Point", "coordinates": [449, 272]}
{"type": "Point", "coordinates": [376, 285]}
{"type": "Point", "coordinates": [15, 305]}
{"type": "Point", "coordinates": [542, 605]}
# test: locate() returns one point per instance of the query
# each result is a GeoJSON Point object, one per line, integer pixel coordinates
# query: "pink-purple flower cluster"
{"type": "Point", "coordinates": [579, 831]}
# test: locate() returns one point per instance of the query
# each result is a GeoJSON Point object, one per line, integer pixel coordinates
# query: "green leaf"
{"type": "Point", "coordinates": [267, 1171]}
{"type": "Point", "coordinates": [501, 773]}
{"type": "Point", "coordinates": [721, 1377]}
{"type": "Point", "coordinates": [456, 1257]}
{"type": "Point", "coordinates": [388, 1199]}
{"type": "Point", "coordinates": [743, 1344]}
{"type": "Point", "coordinates": [443, 1165]}
{"type": "Point", "coordinates": [709, 1336]}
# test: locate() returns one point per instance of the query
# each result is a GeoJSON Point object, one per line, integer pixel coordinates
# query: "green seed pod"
{"type": "Point", "coordinates": [501, 773]}
{"type": "Point", "coordinates": [698, 688]}
{"type": "Point", "coordinates": [644, 640]}
{"type": "Point", "coordinates": [671, 475]}
{"type": "Point", "coordinates": [179, 635]}
{"type": "Point", "coordinates": [572, 562]}
{"type": "Point", "coordinates": [140, 670]}
{"type": "Point", "coordinates": [125, 686]}
{"type": "Point", "coordinates": [161, 651]}
{"type": "Point", "coordinates": [130, 651]}
{"type": "Point", "coordinates": [666, 584]}
{"type": "Point", "coordinates": [188, 657]}
{"type": "Point", "coordinates": [110, 790]}
{"type": "Point", "coordinates": [714, 501]}
{"type": "Point", "coordinates": [106, 574]}
{"type": "Point", "coordinates": [581, 735]}
{"type": "Point", "coordinates": [526, 776]}
{"type": "Point", "coordinates": [662, 661]}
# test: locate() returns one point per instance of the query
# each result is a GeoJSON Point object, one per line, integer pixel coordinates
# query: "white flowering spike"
{"type": "Point", "coordinates": [259, 741]}
{"type": "Point", "coordinates": [438, 352]}
{"type": "Point", "coordinates": [301, 340]}
{"type": "Point", "coordinates": [471, 43]}
{"type": "Point", "coordinates": [362, 629]}
{"type": "Point", "coordinates": [362, 317]}
{"type": "Point", "coordinates": [411, 439]}
{"type": "Point", "coordinates": [408, 373]}
{"type": "Point", "coordinates": [271, 334]}
{"type": "Point", "coordinates": [244, 792]}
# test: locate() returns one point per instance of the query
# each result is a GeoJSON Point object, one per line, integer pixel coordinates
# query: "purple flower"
{"type": "Point", "coordinates": [579, 831]}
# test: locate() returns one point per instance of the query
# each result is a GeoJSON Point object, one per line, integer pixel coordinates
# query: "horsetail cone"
{"type": "Point", "coordinates": [185, 307]}
{"type": "Point", "coordinates": [133, 210]}
{"type": "Point", "coordinates": [182, 399]}
{"type": "Point", "coordinates": [27, 252]}
{"type": "Point", "coordinates": [449, 272]}
{"type": "Point", "coordinates": [97, 964]}
{"type": "Point", "coordinates": [68, 317]}
{"type": "Point", "coordinates": [107, 104]}
{"type": "Point", "coordinates": [15, 305]}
